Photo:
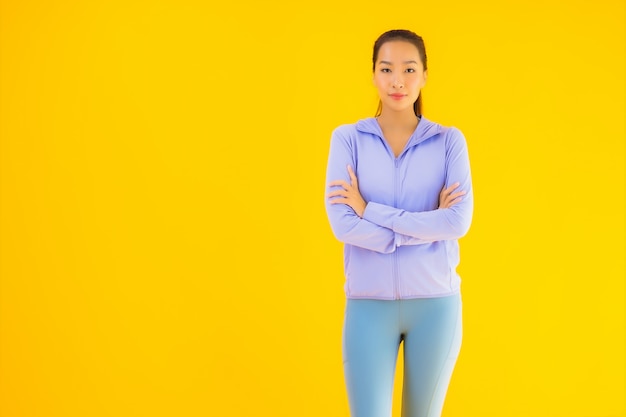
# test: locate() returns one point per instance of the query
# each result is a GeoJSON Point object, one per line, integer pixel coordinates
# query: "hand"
{"type": "Point", "coordinates": [348, 194]}
{"type": "Point", "coordinates": [448, 198]}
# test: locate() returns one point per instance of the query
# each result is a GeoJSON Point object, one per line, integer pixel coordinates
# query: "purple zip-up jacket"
{"type": "Point", "coordinates": [404, 246]}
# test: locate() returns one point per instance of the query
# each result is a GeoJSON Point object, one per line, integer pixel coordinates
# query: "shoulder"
{"type": "Point", "coordinates": [454, 134]}
{"type": "Point", "coordinates": [451, 135]}
{"type": "Point", "coordinates": [344, 130]}
{"type": "Point", "coordinates": [455, 139]}
{"type": "Point", "coordinates": [440, 128]}
{"type": "Point", "coordinates": [352, 131]}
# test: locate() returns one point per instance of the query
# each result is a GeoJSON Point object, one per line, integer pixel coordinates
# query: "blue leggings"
{"type": "Point", "coordinates": [431, 330]}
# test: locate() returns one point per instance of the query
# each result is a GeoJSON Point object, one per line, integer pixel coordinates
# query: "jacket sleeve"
{"type": "Point", "coordinates": [441, 224]}
{"type": "Point", "coordinates": [345, 224]}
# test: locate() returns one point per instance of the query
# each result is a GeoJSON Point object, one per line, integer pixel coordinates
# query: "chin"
{"type": "Point", "coordinates": [400, 108]}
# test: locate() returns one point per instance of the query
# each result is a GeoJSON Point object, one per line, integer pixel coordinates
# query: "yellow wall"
{"type": "Point", "coordinates": [164, 249]}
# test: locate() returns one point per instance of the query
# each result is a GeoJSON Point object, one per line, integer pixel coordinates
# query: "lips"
{"type": "Point", "coordinates": [397, 96]}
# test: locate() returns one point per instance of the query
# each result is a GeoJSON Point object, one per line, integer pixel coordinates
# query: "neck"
{"type": "Point", "coordinates": [403, 119]}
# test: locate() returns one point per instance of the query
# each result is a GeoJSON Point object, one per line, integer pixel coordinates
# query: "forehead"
{"type": "Point", "coordinates": [398, 52]}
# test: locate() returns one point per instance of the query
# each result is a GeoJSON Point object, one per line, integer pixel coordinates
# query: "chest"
{"type": "Point", "coordinates": [411, 181]}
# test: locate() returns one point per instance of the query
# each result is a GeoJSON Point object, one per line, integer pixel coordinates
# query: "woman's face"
{"type": "Point", "coordinates": [399, 75]}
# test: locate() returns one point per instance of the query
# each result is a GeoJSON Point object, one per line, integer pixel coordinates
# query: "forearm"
{"type": "Point", "coordinates": [351, 229]}
{"type": "Point", "coordinates": [448, 223]}
{"type": "Point", "coordinates": [440, 224]}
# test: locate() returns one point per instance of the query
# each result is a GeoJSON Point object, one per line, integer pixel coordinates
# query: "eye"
{"type": "Point", "coordinates": [410, 70]}
{"type": "Point", "coordinates": [385, 70]}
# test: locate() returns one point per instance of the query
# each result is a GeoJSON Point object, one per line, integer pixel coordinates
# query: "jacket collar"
{"type": "Point", "coordinates": [425, 129]}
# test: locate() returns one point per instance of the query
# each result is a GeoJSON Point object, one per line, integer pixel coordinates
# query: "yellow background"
{"type": "Point", "coordinates": [164, 249]}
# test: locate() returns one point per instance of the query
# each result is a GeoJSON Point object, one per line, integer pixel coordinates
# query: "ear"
{"type": "Point", "coordinates": [425, 76]}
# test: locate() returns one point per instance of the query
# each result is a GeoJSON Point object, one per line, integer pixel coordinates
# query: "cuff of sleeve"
{"type": "Point", "coordinates": [376, 213]}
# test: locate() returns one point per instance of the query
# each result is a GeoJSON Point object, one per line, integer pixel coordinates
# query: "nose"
{"type": "Point", "coordinates": [397, 83]}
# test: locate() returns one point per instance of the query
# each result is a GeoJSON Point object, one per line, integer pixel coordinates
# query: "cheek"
{"type": "Point", "coordinates": [417, 82]}
{"type": "Point", "coordinates": [381, 90]}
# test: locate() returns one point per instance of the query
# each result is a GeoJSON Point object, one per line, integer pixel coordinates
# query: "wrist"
{"type": "Point", "coordinates": [361, 212]}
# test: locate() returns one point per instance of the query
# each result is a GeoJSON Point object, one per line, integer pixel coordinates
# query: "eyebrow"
{"type": "Point", "coordinates": [405, 62]}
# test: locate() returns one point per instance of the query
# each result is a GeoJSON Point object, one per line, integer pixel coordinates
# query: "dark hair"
{"type": "Point", "coordinates": [407, 36]}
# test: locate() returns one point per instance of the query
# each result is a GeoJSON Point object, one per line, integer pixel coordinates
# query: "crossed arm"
{"type": "Point", "coordinates": [382, 228]}
{"type": "Point", "coordinates": [349, 194]}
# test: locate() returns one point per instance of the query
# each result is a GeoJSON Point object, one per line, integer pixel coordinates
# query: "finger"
{"type": "Point", "coordinates": [337, 193]}
{"type": "Point", "coordinates": [452, 199]}
{"type": "Point", "coordinates": [339, 183]}
{"type": "Point", "coordinates": [457, 194]}
{"type": "Point", "coordinates": [337, 201]}
{"type": "Point", "coordinates": [452, 187]}
{"type": "Point", "coordinates": [352, 176]}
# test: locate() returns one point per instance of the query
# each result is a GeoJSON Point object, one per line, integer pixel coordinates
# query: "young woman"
{"type": "Point", "coordinates": [399, 196]}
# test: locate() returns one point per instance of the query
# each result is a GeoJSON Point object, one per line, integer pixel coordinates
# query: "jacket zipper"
{"type": "Point", "coordinates": [396, 279]}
